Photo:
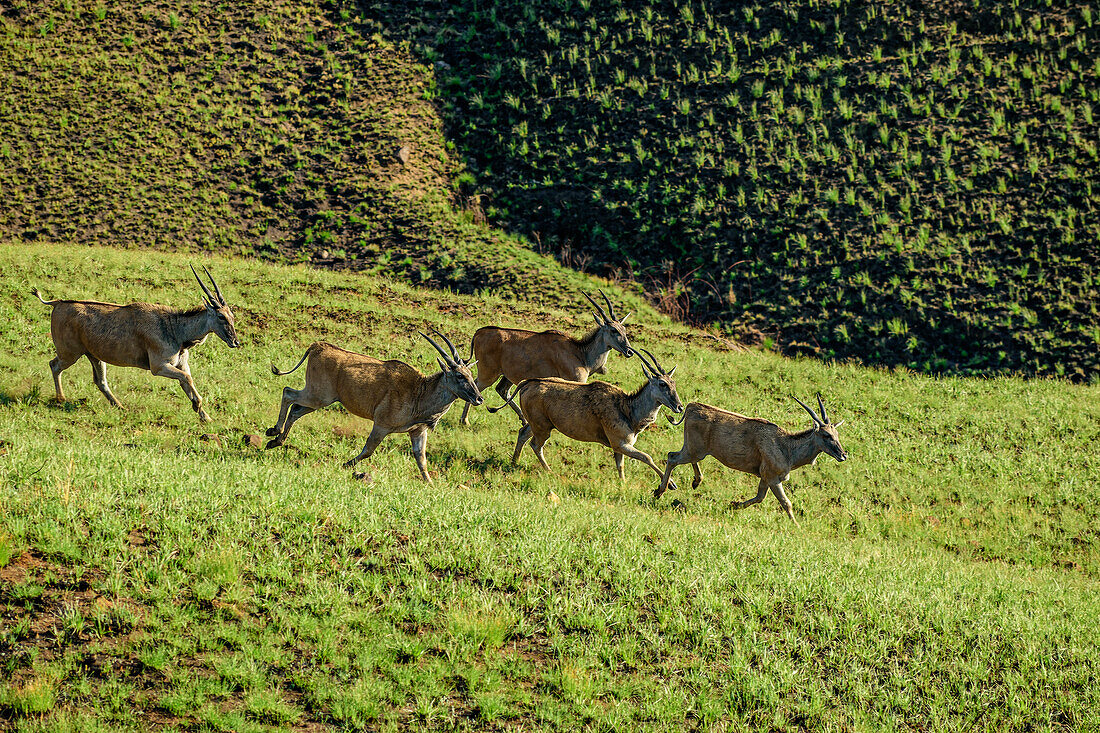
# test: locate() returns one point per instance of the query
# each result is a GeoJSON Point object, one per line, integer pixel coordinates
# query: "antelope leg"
{"type": "Point", "coordinates": [777, 489]}
{"type": "Point", "coordinates": [375, 437]}
{"type": "Point", "coordinates": [419, 438]}
{"type": "Point", "coordinates": [99, 376]}
{"type": "Point", "coordinates": [632, 452]}
{"type": "Point", "coordinates": [521, 439]}
{"type": "Point", "coordinates": [761, 492]}
{"type": "Point", "coordinates": [186, 383]}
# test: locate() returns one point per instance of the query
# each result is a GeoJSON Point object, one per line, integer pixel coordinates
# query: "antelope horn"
{"type": "Point", "coordinates": [610, 308]}
{"type": "Point", "coordinates": [215, 283]}
{"type": "Point", "coordinates": [451, 346]}
{"type": "Point", "coordinates": [645, 363]}
{"type": "Point", "coordinates": [660, 369]}
{"type": "Point", "coordinates": [817, 420]}
{"type": "Point", "coordinates": [822, 406]}
{"type": "Point", "coordinates": [597, 307]}
{"type": "Point", "coordinates": [446, 357]}
{"type": "Point", "coordinates": [202, 285]}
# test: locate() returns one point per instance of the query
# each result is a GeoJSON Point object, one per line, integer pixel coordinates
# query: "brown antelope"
{"type": "Point", "coordinates": [392, 394]}
{"type": "Point", "coordinates": [142, 335]}
{"type": "Point", "coordinates": [513, 354]}
{"type": "Point", "coordinates": [752, 445]}
{"type": "Point", "coordinates": [595, 412]}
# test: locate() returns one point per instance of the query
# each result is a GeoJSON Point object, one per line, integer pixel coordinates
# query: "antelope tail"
{"type": "Point", "coordinates": [277, 373]}
{"type": "Point", "coordinates": [507, 401]}
{"type": "Point", "coordinates": [35, 293]}
{"type": "Point", "coordinates": [674, 422]}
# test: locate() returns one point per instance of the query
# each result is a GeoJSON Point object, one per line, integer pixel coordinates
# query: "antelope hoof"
{"type": "Point", "coordinates": [273, 443]}
{"type": "Point", "coordinates": [348, 464]}
{"type": "Point", "coordinates": [272, 432]}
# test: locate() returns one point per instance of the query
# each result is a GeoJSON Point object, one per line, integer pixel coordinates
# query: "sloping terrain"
{"type": "Point", "coordinates": [908, 183]}
{"type": "Point", "coordinates": [905, 184]}
{"type": "Point", "coordinates": [274, 128]}
{"type": "Point", "coordinates": [161, 574]}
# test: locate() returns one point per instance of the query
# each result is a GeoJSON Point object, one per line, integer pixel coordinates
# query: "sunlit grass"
{"type": "Point", "coordinates": [949, 567]}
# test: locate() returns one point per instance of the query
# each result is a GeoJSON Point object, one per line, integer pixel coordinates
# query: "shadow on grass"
{"type": "Point", "coordinates": [33, 397]}
{"type": "Point", "coordinates": [447, 457]}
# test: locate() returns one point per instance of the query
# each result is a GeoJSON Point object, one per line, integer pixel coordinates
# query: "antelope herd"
{"type": "Point", "coordinates": [549, 370]}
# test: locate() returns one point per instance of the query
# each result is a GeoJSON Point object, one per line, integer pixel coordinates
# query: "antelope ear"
{"type": "Point", "coordinates": [672, 372]}
{"type": "Point", "coordinates": [623, 319]}
{"type": "Point", "coordinates": [838, 424]}
{"type": "Point", "coordinates": [596, 316]}
{"type": "Point", "coordinates": [471, 363]}
{"type": "Point", "coordinates": [442, 366]}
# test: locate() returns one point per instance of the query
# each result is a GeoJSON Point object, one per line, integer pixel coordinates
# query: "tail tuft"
{"type": "Point", "coordinates": [35, 293]}
{"type": "Point", "coordinates": [676, 422]}
{"type": "Point", "coordinates": [277, 373]}
{"type": "Point", "coordinates": [507, 401]}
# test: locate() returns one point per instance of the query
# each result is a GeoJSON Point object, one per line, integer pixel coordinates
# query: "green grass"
{"type": "Point", "coordinates": [944, 578]}
{"type": "Point", "coordinates": [893, 182]}
{"type": "Point", "coordinates": [908, 184]}
{"type": "Point", "coordinates": [270, 129]}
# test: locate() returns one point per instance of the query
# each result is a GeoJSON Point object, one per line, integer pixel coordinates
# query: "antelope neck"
{"type": "Point", "coordinates": [190, 328]}
{"type": "Point", "coordinates": [432, 397]}
{"type": "Point", "coordinates": [643, 408]}
{"type": "Point", "coordinates": [801, 448]}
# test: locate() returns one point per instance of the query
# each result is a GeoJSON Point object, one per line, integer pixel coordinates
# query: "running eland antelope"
{"type": "Point", "coordinates": [596, 412]}
{"type": "Point", "coordinates": [752, 445]}
{"type": "Point", "coordinates": [142, 335]}
{"type": "Point", "coordinates": [392, 394]}
{"type": "Point", "coordinates": [513, 354]}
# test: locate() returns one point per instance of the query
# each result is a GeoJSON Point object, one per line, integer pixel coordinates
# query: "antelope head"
{"type": "Point", "coordinates": [660, 381]}
{"type": "Point", "coordinates": [825, 432]}
{"type": "Point", "coordinates": [457, 377]}
{"type": "Point", "coordinates": [218, 310]}
{"type": "Point", "coordinates": [611, 330]}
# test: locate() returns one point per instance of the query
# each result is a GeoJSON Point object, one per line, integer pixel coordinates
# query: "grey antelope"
{"type": "Point", "coordinates": [392, 394]}
{"type": "Point", "coordinates": [142, 335]}
{"type": "Point", "coordinates": [752, 445]}
{"type": "Point", "coordinates": [596, 412]}
{"type": "Point", "coordinates": [516, 354]}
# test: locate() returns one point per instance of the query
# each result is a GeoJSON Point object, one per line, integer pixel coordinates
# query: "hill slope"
{"type": "Point", "coordinates": [272, 129]}
{"type": "Point", "coordinates": [906, 184]}
{"type": "Point", "coordinates": [910, 183]}
{"type": "Point", "coordinates": [945, 577]}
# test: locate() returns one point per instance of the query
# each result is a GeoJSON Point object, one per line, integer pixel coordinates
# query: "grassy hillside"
{"type": "Point", "coordinates": [908, 184]}
{"type": "Point", "coordinates": [911, 183]}
{"type": "Point", "coordinates": [271, 128]}
{"type": "Point", "coordinates": [944, 578]}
